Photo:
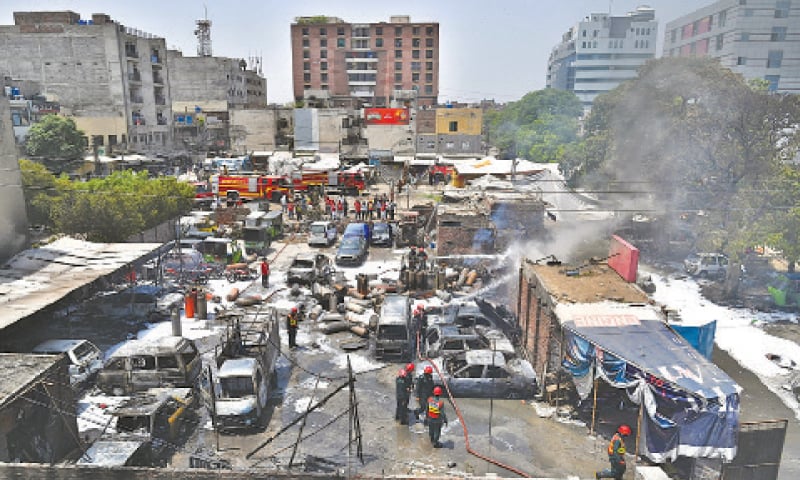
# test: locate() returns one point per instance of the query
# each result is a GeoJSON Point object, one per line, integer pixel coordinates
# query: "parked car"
{"type": "Point", "coordinates": [322, 233]}
{"type": "Point", "coordinates": [309, 267]}
{"type": "Point", "coordinates": [85, 359]}
{"type": "Point", "coordinates": [352, 251]}
{"type": "Point", "coordinates": [381, 235]}
{"type": "Point", "coordinates": [484, 373]}
{"type": "Point", "coordinates": [706, 264]}
{"type": "Point", "coordinates": [356, 229]}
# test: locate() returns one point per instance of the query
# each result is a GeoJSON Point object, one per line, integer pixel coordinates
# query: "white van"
{"type": "Point", "coordinates": [85, 359]}
{"type": "Point", "coordinates": [322, 233]}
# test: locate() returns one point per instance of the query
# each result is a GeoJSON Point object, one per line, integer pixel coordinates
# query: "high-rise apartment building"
{"type": "Point", "coordinates": [756, 38]}
{"type": "Point", "coordinates": [110, 78]}
{"type": "Point", "coordinates": [365, 64]}
{"type": "Point", "coordinates": [601, 52]}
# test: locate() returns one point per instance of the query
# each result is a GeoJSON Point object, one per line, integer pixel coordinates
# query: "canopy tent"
{"type": "Point", "coordinates": [691, 406]}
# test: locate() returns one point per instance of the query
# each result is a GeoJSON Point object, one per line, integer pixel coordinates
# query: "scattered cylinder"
{"type": "Point", "coordinates": [359, 330]}
{"type": "Point", "coordinates": [315, 312]}
{"type": "Point", "coordinates": [202, 305]}
{"type": "Point", "coordinates": [354, 307]}
{"type": "Point", "coordinates": [190, 301]}
{"type": "Point", "coordinates": [232, 295]}
{"type": "Point", "coordinates": [471, 276]}
{"type": "Point", "coordinates": [175, 315]}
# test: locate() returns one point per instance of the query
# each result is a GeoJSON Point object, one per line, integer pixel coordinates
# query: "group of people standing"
{"type": "Point", "coordinates": [429, 401]}
{"type": "Point", "coordinates": [295, 207]}
{"type": "Point", "coordinates": [376, 208]}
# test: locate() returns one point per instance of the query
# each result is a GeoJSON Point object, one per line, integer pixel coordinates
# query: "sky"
{"type": "Point", "coordinates": [488, 49]}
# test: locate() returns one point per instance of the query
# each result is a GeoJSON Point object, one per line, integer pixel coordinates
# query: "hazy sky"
{"type": "Point", "coordinates": [489, 49]}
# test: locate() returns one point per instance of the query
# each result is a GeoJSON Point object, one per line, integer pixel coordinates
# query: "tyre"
{"type": "Point", "coordinates": [231, 277]}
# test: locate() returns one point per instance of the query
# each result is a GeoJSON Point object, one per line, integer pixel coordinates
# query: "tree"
{"type": "Point", "coordinates": [39, 187]}
{"type": "Point", "coordinates": [537, 126]}
{"type": "Point", "coordinates": [55, 138]}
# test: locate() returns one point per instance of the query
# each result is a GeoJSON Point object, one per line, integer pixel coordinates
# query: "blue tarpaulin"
{"type": "Point", "coordinates": [700, 337]}
{"type": "Point", "coordinates": [691, 406]}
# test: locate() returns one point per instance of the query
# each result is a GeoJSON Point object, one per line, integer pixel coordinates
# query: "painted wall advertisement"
{"type": "Point", "coordinates": [386, 116]}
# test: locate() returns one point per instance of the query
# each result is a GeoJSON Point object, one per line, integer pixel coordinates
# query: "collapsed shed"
{"type": "Point", "coordinates": [590, 323]}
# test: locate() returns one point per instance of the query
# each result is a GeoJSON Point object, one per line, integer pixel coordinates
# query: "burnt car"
{"type": "Point", "coordinates": [444, 340]}
{"type": "Point", "coordinates": [381, 235]}
{"type": "Point", "coordinates": [484, 373]}
{"type": "Point", "coordinates": [309, 267]}
{"type": "Point", "coordinates": [85, 359]}
{"type": "Point", "coordinates": [352, 251]}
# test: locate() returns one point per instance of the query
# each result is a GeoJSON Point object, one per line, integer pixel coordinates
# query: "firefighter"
{"type": "Point", "coordinates": [412, 258]}
{"type": "Point", "coordinates": [616, 455]}
{"type": "Point", "coordinates": [424, 388]}
{"type": "Point", "coordinates": [420, 321]}
{"type": "Point", "coordinates": [291, 327]}
{"type": "Point", "coordinates": [357, 207]}
{"type": "Point", "coordinates": [435, 417]}
{"type": "Point", "coordinates": [264, 273]}
{"type": "Point", "coordinates": [422, 258]}
{"type": "Point", "coordinates": [401, 395]}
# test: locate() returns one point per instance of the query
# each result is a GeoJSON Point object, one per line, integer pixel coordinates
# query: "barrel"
{"type": "Point", "coordinates": [202, 305]}
{"type": "Point", "coordinates": [190, 301]}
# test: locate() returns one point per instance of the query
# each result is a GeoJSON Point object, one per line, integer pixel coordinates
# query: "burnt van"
{"type": "Point", "coordinates": [394, 339]}
{"type": "Point", "coordinates": [139, 365]}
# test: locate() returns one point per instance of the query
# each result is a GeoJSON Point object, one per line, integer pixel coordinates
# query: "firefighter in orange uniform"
{"type": "Point", "coordinates": [616, 455]}
{"type": "Point", "coordinates": [435, 417]}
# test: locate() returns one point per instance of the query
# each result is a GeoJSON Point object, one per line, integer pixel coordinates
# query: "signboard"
{"type": "Point", "coordinates": [386, 116]}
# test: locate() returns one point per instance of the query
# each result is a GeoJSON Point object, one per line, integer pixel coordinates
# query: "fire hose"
{"type": "Point", "coordinates": [463, 423]}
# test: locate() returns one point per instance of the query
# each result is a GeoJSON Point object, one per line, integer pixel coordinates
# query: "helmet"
{"type": "Point", "coordinates": [410, 367]}
{"type": "Point", "coordinates": [294, 309]}
{"type": "Point", "coordinates": [624, 430]}
{"type": "Point", "coordinates": [428, 369]}
{"type": "Point", "coordinates": [437, 391]}
{"type": "Point", "coordinates": [401, 373]}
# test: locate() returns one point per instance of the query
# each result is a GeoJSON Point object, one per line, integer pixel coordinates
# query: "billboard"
{"type": "Point", "coordinates": [386, 116]}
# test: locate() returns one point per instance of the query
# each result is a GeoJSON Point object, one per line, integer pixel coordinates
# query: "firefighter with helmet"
{"type": "Point", "coordinates": [435, 417]}
{"type": "Point", "coordinates": [616, 455]}
{"type": "Point", "coordinates": [424, 388]}
{"type": "Point", "coordinates": [291, 326]}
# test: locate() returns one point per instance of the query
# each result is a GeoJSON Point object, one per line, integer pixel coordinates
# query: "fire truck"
{"type": "Point", "coordinates": [272, 187]}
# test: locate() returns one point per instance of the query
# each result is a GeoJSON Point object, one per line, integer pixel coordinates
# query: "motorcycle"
{"type": "Point", "coordinates": [236, 273]}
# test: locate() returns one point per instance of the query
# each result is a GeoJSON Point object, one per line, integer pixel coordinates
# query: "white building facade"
{"type": "Point", "coordinates": [601, 52]}
{"type": "Point", "coordinates": [760, 39]}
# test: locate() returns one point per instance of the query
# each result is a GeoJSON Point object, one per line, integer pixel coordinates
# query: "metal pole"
{"type": "Point", "coordinates": [491, 395]}
{"type": "Point", "coordinates": [594, 404]}
{"type": "Point", "coordinates": [638, 435]}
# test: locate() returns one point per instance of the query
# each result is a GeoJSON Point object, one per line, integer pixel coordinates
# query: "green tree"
{"type": "Point", "coordinates": [536, 127]}
{"type": "Point", "coordinates": [39, 187]}
{"type": "Point", "coordinates": [114, 208]}
{"type": "Point", "coordinates": [55, 138]}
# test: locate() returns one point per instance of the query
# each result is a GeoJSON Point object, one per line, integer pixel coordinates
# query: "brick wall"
{"type": "Point", "coordinates": [539, 325]}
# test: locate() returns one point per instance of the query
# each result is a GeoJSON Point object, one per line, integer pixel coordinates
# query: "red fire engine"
{"type": "Point", "coordinates": [334, 181]}
{"type": "Point", "coordinates": [272, 187]}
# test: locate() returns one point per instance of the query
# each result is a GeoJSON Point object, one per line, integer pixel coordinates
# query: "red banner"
{"type": "Point", "coordinates": [386, 116]}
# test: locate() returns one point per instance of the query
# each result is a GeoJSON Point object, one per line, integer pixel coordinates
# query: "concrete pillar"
{"type": "Point", "coordinates": [13, 218]}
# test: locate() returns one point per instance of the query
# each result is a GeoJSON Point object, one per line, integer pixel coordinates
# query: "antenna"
{"type": "Point", "coordinates": [203, 34]}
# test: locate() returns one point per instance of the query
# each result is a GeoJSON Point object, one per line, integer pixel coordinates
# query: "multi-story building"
{"type": "Point", "coordinates": [602, 51]}
{"type": "Point", "coordinates": [451, 132]}
{"type": "Point", "coordinates": [205, 90]}
{"type": "Point", "coordinates": [760, 39]}
{"type": "Point", "coordinates": [110, 78]}
{"type": "Point", "coordinates": [365, 64]}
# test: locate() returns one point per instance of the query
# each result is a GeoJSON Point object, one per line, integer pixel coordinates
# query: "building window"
{"type": "Point", "coordinates": [323, 65]}
{"type": "Point", "coordinates": [428, 65]}
{"type": "Point", "coordinates": [306, 65]}
{"type": "Point", "coordinates": [583, 34]}
{"type": "Point", "coordinates": [452, 126]}
{"type": "Point", "coordinates": [398, 87]}
{"type": "Point", "coordinates": [722, 18]}
{"type": "Point", "coordinates": [415, 77]}
{"type": "Point", "coordinates": [398, 65]}
{"type": "Point", "coordinates": [429, 42]}
{"type": "Point", "coordinates": [398, 31]}
{"type": "Point", "coordinates": [428, 30]}
{"type": "Point", "coordinates": [414, 53]}
{"type": "Point", "coordinates": [379, 42]}
{"type": "Point", "coordinates": [782, 8]}
{"type": "Point", "coordinates": [323, 54]}
{"type": "Point", "coordinates": [429, 77]}
{"type": "Point", "coordinates": [306, 43]}
{"type": "Point", "coordinates": [416, 42]}
{"type": "Point", "coordinates": [778, 34]}
{"type": "Point", "coordinates": [775, 59]}
{"type": "Point", "coordinates": [323, 31]}
{"type": "Point", "coordinates": [378, 30]}
{"type": "Point", "coordinates": [428, 53]}
{"type": "Point", "coordinates": [340, 42]}
{"type": "Point", "coordinates": [720, 40]}
{"type": "Point", "coordinates": [398, 77]}
{"type": "Point", "coordinates": [306, 77]}
{"type": "Point", "coordinates": [415, 30]}
{"type": "Point", "coordinates": [324, 87]}
{"type": "Point", "coordinates": [398, 54]}
{"type": "Point", "coordinates": [323, 42]}
{"type": "Point", "coordinates": [710, 22]}
{"type": "Point", "coordinates": [741, 60]}
{"type": "Point", "coordinates": [339, 30]}
{"type": "Point", "coordinates": [773, 82]}
{"type": "Point", "coordinates": [398, 42]}
{"type": "Point", "coordinates": [306, 54]}
{"type": "Point", "coordinates": [323, 77]}
{"type": "Point", "coordinates": [305, 30]}
{"type": "Point", "coordinates": [594, 34]}
{"type": "Point", "coordinates": [306, 87]}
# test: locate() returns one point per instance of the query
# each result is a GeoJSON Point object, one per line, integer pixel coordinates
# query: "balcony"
{"type": "Point", "coordinates": [161, 120]}
{"type": "Point", "coordinates": [131, 51]}
{"type": "Point", "coordinates": [138, 119]}
{"type": "Point", "coordinates": [136, 99]}
{"type": "Point", "coordinates": [158, 79]}
{"type": "Point", "coordinates": [135, 76]}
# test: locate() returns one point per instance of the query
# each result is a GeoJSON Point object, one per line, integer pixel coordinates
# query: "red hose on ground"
{"type": "Point", "coordinates": [463, 423]}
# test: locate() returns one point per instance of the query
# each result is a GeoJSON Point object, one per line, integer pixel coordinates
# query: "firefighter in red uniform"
{"type": "Point", "coordinates": [264, 273]}
{"type": "Point", "coordinates": [435, 417]}
{"type": "Point", "coordinates": [616, 455]}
